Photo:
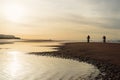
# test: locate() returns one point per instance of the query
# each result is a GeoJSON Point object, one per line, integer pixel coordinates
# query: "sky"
{"type": "Point", "coordinates": [60, 19]}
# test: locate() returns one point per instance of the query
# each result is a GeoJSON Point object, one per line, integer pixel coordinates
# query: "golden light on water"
{"type": "Point", "coordinates": [14, 65]}
{"type": "Point", "coordinates": [13, 12]}
{"type": "Point", "coordinates": [14, 53]}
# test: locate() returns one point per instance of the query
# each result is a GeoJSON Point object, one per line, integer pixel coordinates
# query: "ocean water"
{"type": "Point", "coordinates": [16, 64]}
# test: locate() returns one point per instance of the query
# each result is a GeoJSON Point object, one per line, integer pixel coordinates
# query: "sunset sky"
{"type": "Point", "coordinates": [60, 19]}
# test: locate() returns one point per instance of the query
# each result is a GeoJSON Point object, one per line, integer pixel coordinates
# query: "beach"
{"type": "Point", "coordinates": [106, 56]}
{"type": "Point", "coordinates": [108, 52]}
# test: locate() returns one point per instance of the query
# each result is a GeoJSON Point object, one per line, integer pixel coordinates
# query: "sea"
{"type": "Point", "coordinates": [17, 64]}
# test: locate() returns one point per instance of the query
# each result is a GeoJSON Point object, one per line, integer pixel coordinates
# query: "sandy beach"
{"type": "Point", "coordinates": [109, 52]}
{"type": "Point", "coordinates": [106, 56]}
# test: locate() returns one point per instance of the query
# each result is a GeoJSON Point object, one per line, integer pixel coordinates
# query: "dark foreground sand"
{"type": "Point", "coordinates": [109, 52]}
{"type": "Point", "coordinates": [106, 56]}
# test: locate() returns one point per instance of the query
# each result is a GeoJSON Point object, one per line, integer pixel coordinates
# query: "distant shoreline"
{"type": "Point", "coordinates": [3, 36]}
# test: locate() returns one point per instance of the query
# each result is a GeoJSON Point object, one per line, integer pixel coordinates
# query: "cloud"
{"type": "Point", "coordinates": [103, 22]}
{"type": "Point", "coordinates": [99, 13]}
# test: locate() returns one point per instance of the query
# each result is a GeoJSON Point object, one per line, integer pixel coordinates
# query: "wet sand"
{"type": "Point", "coordinates": [106, 56]}
{"type": "Point", "coordinates": [108, 52]}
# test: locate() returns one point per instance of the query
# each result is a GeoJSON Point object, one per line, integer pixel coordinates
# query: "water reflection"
{"type": "Point", "coordinates": [16, 65]}
{"type": "Point", "coordinates": [29, 47]}
{"type": "Point", "coordinates": [19, 66]}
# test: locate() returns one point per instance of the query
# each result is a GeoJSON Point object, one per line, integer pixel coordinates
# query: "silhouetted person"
{"type": "Point", "coordinates": [104, 39]}
{"type": "Point", "coordinates": [88, 38]}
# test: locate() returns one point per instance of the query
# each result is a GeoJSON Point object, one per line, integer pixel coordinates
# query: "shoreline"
{"type": "Point", "coordinates": [105, 56]}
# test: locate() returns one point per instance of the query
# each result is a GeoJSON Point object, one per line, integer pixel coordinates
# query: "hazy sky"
{"type": "Point", "coordinates": [60, 19]}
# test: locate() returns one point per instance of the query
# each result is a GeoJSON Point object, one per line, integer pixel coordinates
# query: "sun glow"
{"type": "Point", "coordinates": [13, 12]}
{"type": "Point", "coordinates": [15, 65]}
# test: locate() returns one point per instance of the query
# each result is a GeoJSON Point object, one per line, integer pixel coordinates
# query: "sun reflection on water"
{"type": "Point", "coordinates": [13, 52]}
{"type": "Point", "coordinates": [14, 65]}
{"type": "Point", "coordinates": [18, 66]}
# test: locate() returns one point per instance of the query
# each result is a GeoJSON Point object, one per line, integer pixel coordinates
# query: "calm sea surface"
{"type": "Point", "coordinates": [16, 64]}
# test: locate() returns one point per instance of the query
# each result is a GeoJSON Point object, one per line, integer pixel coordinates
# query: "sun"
{"type": "Point", "coordinates": [13, 12]}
